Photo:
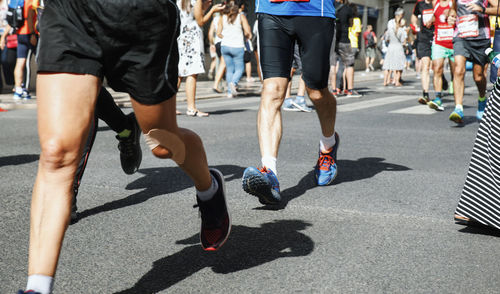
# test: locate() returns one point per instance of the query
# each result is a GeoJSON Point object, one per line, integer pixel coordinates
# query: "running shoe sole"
{"type": "Point", "coordinates": [456, 118]}
{"type": "Point", "coordinates": [422, 100]}
{"type": "Point", "coordinates": [300, 107]}
{"type": "Point", "coordinates": [217, 173]}
{"type": "Point", "coordinates": [435, 106]}
{"type": "Point", "coordinates": [291, 109]}
{"type": "Point", "coordinates": [256, 184]}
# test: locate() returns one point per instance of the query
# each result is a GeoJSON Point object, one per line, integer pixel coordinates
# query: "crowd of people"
{"type": "Point", "coordinates": [80, 44]}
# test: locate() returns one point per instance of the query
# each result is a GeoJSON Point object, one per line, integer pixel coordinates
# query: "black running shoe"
{"type": "Point", "coordinates": [215, 220]}
{"type": "Point", "coordinates": [130, 148]}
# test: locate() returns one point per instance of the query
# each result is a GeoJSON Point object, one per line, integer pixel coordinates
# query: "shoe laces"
{"type": "Point", "coordinates": [126, 145]}
{"type": "Point", "coordinates": [325, 161]}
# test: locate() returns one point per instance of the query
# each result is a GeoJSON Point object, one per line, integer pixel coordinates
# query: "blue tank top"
{"type": "Point", "coordinates": [323, 8]}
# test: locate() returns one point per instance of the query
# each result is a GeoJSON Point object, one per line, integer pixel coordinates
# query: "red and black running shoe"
{"type": "Point", "coordinates": [215, 220]}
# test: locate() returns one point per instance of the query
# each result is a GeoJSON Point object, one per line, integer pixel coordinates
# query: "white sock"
{"type": "Point", "coordinates": [210, 192]}
{"type": "Point", "coordinates": [325, 143]}
{"type": "Point", "coordinates": [459, 106]}
{"type": "Point", "coordinates": [19, 90]}
{"type": "Point", "coordinates": [270, 163]}
{"type": "Point", "coordinates": [40, 283]}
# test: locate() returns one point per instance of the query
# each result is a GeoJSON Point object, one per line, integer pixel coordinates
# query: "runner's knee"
{"type": "Point", "coordinates": [55, 154]}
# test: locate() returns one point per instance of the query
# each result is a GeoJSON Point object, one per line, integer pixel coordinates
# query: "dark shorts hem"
{"type": "Point", "coordinates": [69, 68]}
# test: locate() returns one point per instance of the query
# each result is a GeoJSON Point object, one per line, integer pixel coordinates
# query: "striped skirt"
{"type": "Point", "coordinates": [480, 199]}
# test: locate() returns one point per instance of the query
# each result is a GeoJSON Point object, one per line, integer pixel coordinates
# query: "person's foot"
{"type": "Point", "coordinates": [436, 104]}
{"type": "Point", "coordinates": [367, 70]}
{"type": "Point", "coordinates": [481, 105]}
{"type": "Point", "coordinates": [337, 92]}
{"type": "Point", "coordinates": [423, 100]}
{"type": "Point", "coordinates": [233, 89]}
{"type": "Point", "coordinates": [326, 166]}
{"type": "Point", "coordinates": [130, 147]}
{"type": "Point", "coordinates": [217, 90]}
{"type": "Point", "coordinates": [196, 112]}
{"type": "Point", "coordinates": [26, 95]}
{"type": "Point", "coordinates": [215, 220]}
{"type": "Point", "coordinates": [371, 67]}
{"type": "Point", "coordinates": [263, 183]}
{"type": "Point", "coordinates": [17, 96]}
{"type": "Point", "coordinates": [3, 110]}
{"type": "Point", "coordinates": [250, 80]}
{"type": "Point", "coordinates": [457, 116]}
{"type": "Point", "coordinates": [353, 94]}
{"type": "Point", "coordinates": [288, 106]}
{"type": "Point", "coordinates": [301, 105]}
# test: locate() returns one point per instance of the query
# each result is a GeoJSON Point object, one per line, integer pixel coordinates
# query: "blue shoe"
{"type": "Point", "coordinates": [326, 167]}
{"type": "Point", "coordinates": [17, 96]}
{"type": "Point", "coordinates": [436, 104]}
{"type": "Point", "coordinates": [481, 105]}
{"type": "Point", "coordinates": [26, 95]}
{"type": "Point", "coordinates": [457, 115]}
{"type": "Point", "coordinates": [27, 292]}
{"type": "Point", "coordinates": [288, 106]}
{"type": "Point", "coordinates": [263, 183]}
{"type": "Point", "coordinates": [301, 105]}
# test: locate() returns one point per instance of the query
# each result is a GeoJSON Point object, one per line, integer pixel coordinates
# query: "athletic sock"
{"type": "Point", "coordinates": [459, 106]}
{"type": "Point", "coordinates": [270, 163]}
{"type": "Point", "coordinates": [299, 99]}
{"type": "Point", "coordinates": [426, 95]}
{"type": "Point", "coordinates": [40, 283]}
{"type": "Point", "coordinates": [482, 99]}
{"type": "Point", "coordinates": [326, 143]}
{"type": "Point", "coordinates": [210, 192]}
{"type": "Point", "coordinates": [439, 95]}
{"type": "Point", "coordinates": [19, 90]}
{"type": "Point", "coordinates": [125, 133]}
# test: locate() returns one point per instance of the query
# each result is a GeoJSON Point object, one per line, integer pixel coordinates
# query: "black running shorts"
{"type": "Point", "coordinates": [133, 43]}
{"type": "Point", "coordinates": [424, 48]}
{"type": "Point", "coordinates": [313, 34]}
{"type": "Point", "coordinates": [473, 50]}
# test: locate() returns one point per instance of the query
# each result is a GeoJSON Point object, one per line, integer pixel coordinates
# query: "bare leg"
{"type": "Point", "coordinates": [191, 91]}
{"type": "Point", "coordinates": [349, 74]}
{"type": "Point", "coordinates": [269, 123]}
{"type": "Point", "coordinates": [437, 66]}
{"type": "Point", "coordinates": [302, 88]}
{"type": "Point", "coordinates": [162, 116]}
{"type": "Point", "coordinates": [458, 79]}
{"type": "Point", "coordinates": [326, 108]}
{"type": "Point", "coordinates": [480, 79]}
{"type": "Point", "coordinates": [63, 126]}
{"type": "Point", "coordinates": [426, 63]}
{"type": "Point", "coordinates": [220, 73]}
{"type": "Point", "coordinates": [19, 72]}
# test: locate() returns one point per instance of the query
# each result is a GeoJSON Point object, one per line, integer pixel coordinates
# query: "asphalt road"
{"type": "Point", "coordinates": [384, 226]}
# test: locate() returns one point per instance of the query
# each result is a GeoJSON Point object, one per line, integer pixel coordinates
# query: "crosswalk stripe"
{"type": "Point", "coordinates": [373, 103]}
{"type": "Point", "coordinates": [418, 109]}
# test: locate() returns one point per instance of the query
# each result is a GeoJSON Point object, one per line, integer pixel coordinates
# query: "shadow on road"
{"type": "Point", "coordinates": [481, 230]}
{"type": "Point", "coordinates": [157, 182]}
{"type": "Point", "coordinates": [226, 111]}
{"type": "Point", "coordinates": [349, 171]}
{"type": "Point", "coordinates": [18, 159]}
{"type": "Point", "coordinates": [246, 247]}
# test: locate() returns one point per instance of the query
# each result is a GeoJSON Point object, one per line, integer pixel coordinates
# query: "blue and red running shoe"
{"type": "Point", "coordinates": [27, 292]}
{"type": "Point", "coordinates": [263, 183]}
{"type": "Point", "coordinates": [326, 167]}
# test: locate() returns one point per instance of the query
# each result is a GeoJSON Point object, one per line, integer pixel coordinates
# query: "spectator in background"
{"type": "Point", "coordinates": [370, 44]}
{"type": "Point", "coordinates": [355, 30]}
{"type": "Point", "coordinates": [395, 58]}
{"type": "Point", "coordinates": [27, 38]}
{"type": "Point", "coordinates": [191, 51]}
{"type": "Point", "coordinates": [232, 28]}
{"type": "Point", "coordinates": [221, 69]}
